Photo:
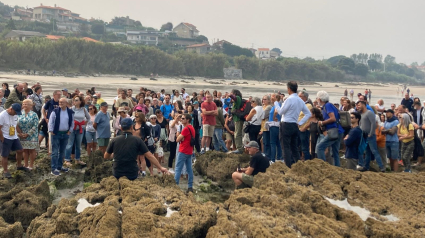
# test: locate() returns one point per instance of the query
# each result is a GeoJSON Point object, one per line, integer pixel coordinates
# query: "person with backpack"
{"type": "Point", "coordinates": [334, 131]}
{"type": "Point", "coordinates": [184, 157]}
{"type": "Point", "coordinates": [368, 125]}
{"type": "Point", "coordinates": [238, 113]}
{"type": "Point", "coordinates": [352, 142]}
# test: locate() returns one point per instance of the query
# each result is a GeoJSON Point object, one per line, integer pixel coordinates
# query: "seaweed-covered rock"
{"type": "Point", "coordinates": [130, 209]}
{"type": "Point", "coordinates": [22, 204]}
{"type": "Point", "coordinates": [292, 203]}
{"type": "Point", "coordinates": [10, 230]}
{"type": "Point", "coordinates": [219, 166]}
{"type": "Point", "coordinates": [97, 168]}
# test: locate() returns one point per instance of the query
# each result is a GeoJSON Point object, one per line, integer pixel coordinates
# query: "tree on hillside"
{"type": "Point", "coordinates": [167, 27]}
{"type": "Point", "coordinates": [335, 59]}
{"type": "Point", "coordinates": [98, 28]}
{"type": "Point", "coordinates": [347, 65]}
{"type": "Point", "coordinates": [202, 38]}
{"type": "Point", "coordinates": [377, 57]}
{"type": "Point", "coordinates": [389, 59]}
{"type": "Point", "coordinates": [277, 50]}
{"type": "Point", "coordinates": [423, 64]}
{"type": "Point", "coordinates": [414, 64]}
{"type": "Point", "coordinates": [309, 59]}
{"type": "Point", "coordinates": [234, 50]}
{"type": "Point", "coordinates": [138, 24]}
{"type": "Point", "coordinates": [361, 70]}
{"type": "Point", "coordinates": [374, 65]}
{"type": "Point", "coordinates": [83, 28]}
{"type": "Point", "coordinates": [11, 25]}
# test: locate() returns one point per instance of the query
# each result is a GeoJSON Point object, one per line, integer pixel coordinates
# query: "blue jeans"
{"type": "Point", "coordinates": [59, 142]}
{"type": "Point", "coordinates": [75, 139]}
{"type": "Point", "coordinates": [334, 144]}
{"type": "Point", "coordinates": [218, 140]}
{"type": "Point", "coordinates": [275, 148]}
{"type": "Point", "coordinates": [372, 148]}
{"type": "Point", "coordinates": [266, 143]}
{"type": "Point", "coordinates": [184, 159]}
{"type": "Point", "coordinates": [305, 144]}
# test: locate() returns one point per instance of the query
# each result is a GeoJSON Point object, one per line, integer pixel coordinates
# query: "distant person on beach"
{"type": "Point", "coordinates": [369, 93]}
{"type": "Point", "coordinates": [398, 90]}
{"type": "Point", "coordinates": [345, 93]}
{"type": "Point", "coordinates": [351, 94]}
{"type": "Point", "coordinates": [408, 90]}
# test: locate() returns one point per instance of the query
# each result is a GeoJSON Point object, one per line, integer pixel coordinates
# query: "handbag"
{"type": "Point", "coordinates": [333, 133]}
{"type": "Point", "coordinates": [247, 125]}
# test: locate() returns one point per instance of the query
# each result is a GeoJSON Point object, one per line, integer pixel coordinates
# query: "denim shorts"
{"type": "Point", "coordinates": [392, 149]}
{"type": "Point", "coordinates": [91, 137]}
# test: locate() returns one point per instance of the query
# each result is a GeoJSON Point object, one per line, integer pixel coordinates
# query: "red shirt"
{"type": "Point", "coordinates": [208, 119]}
{"type": "Point", "coordinates": [185, 147]}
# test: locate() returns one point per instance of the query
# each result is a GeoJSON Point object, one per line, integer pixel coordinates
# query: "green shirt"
{"type": "Point", "coordinates": [236, 105]}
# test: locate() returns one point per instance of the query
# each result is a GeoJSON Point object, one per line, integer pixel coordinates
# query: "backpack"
{"type": "Point", "coordinates": [244, 110]}
{"type": "Point", "coordinates": [362, 145]}
{"type": "Point", "coordinates": [192, 138]}
{"type": "Point", "coordinates": [344, 119]}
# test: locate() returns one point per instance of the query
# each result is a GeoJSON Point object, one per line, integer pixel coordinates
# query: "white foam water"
{"type": "Point", "coordinates": [83, 204]}
{"type": "Point", "coordinates": [363, 213]}
{"type": "Point", "coordinates": [169, 211]}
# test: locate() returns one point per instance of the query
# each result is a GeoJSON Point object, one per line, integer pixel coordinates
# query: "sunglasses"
{"type": "Point", "coordinates": [183, 118]}
{"type": "Point", "coordinates": [91, 108]}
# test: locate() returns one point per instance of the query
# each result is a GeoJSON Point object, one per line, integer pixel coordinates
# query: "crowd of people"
{"type": "Point", "coordinates": [273, 128]}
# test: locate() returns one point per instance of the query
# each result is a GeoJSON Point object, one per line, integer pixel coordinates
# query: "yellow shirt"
{"type": "Point", "coordinates": [302, 115]}
{"type": "Point", "coordinates": [100, 100]}
{"type": "Point", "coordinates": [405, 132]}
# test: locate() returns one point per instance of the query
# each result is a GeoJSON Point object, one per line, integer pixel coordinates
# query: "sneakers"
{"type": "Point", "coordinates": [407, 171]}
{"type": "Point", "coordinates": [202, 152]}
{"type": "Point", "coordinates": [271, 162]}
{"type": "Point", "coordinates": [190, 190]}
{"type": "Point", "coordinates": [143, 173]}
{"type": "Point", "coordinates": [235, 152]}
{"type": "Point", "coordinates": [171, 170]}
{"type": "Point", "coordinates": [383, 170]}
{"type": "Point", "coordinates": [23, 168]}
{"type": "Point", "coordinates": [64, 170]}
{"type": "Point", "coordinates": [7, 175]}
{"type": "Point", "coordinates": [55, 172]}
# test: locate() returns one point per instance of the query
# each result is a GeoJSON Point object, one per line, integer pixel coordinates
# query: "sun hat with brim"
{"type": "Point", "coordinates": [252, 144]}
{"type": "Point", "coordinates": [121, 109]}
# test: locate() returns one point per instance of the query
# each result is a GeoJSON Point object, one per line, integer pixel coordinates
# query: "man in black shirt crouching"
{"type": "Point", "coordinates": [259, 163]}
{"type": "Point", "coordinates": [126, 148]}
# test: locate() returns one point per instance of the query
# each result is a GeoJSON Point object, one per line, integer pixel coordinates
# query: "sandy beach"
{"type": "Point", "coordinates": [107, 85]}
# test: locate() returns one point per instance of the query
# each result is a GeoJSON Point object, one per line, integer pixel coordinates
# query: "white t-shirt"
{"type": "Point", "coordinates": [6, 121]}
{"type": "Point", "coordinates": [173, 131]}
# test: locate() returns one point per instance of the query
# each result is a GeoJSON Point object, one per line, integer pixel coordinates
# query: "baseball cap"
{"type": "Point", "coordinates": [389, 110]}
{"type": "Point", "coordinates": [126, 123]}
{"type": "Point", "coordinates": [252, 144]}
{"type": "Point", "coordinates": [17, 108]}
{"type": "Point", "coordinates": [103, 104]}
{"type": "Point", "coordinates": [195, 102]}
{"type": "Point", "coordinates": [66, 90]}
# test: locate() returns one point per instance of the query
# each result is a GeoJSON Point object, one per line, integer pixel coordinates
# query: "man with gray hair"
{"type": "Point", "coordinates": [15, 96]}
{"type": "Point", "coordinates": [304, 128]}
{"type": "Point", "coordinates": [289, 131]}
{"type": "Point", "coordinates": [334, 130]}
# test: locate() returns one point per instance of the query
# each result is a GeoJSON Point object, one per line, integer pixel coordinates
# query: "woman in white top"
{"type": "Point", "coordinates": [173, 126]}
{"type": "Point", "coordinates": [90, 131]}
{"type": "Point", "coordinates": [255, 118]}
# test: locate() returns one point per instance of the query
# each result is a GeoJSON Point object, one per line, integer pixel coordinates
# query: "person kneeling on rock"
{"type": "Point", "coordinates": [126, 148]}
{"type": "Point", "coordinates": [259, 163]}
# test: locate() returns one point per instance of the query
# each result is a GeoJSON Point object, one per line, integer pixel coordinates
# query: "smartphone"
{"type": "Point", "coordinates": [239, 168]}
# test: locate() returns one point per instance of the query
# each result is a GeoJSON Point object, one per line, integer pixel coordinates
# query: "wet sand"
{"type": "Point", "coordinates": [108, 84]}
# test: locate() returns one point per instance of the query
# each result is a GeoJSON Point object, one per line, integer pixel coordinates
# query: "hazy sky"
{"type": "Point", "coordinates": [301, 28]}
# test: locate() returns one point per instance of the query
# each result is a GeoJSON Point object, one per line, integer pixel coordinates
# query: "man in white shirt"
{"type": "Point", "coordinates": [289, 132]}
{"type": "Point", "coordinates": [184, 94]}
{"type": "Point", "coordinates": [9, 137]}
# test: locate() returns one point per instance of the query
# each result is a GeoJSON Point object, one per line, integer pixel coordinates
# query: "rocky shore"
{"type": "Point", "coordinates": [304, 201]}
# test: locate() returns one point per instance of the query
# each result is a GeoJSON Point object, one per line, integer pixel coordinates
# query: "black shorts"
{"type": "Point", "coordinates": [10, 145]}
